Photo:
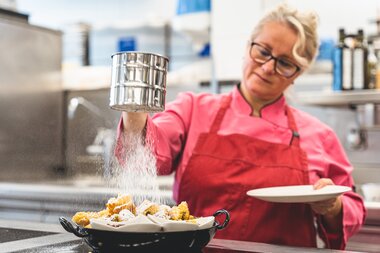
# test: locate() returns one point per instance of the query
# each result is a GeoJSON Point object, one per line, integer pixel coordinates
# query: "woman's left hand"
{"type": "Point", "coordinates": [330, 207]}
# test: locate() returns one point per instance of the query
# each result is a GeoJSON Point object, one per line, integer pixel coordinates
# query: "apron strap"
{"type": "Point", "coordinates": [295, 140]}
{"type": "Point", "coordinates": [225, 103]}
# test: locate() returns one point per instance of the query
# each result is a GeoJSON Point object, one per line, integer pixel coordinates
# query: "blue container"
{"type": "Point", "coordinates": [337, 71]}
{"type": "Point", "coordinates": [326, 50]}
{"type": "Point", "coordinates": [191, 6]}
{"type": "Point", "coordinates": [205, 52]}
{"type": "Point", "coordinates": [127, 44]}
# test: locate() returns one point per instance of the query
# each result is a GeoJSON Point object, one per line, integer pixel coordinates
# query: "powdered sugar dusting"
{"type": "Point", "coordinates": [135, 173]}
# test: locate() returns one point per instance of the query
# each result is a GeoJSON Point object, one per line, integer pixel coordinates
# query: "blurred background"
{"type": "Point", "coordinates": [57, 130]}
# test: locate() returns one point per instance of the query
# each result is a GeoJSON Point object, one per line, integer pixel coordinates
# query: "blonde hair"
{"type": "Point", "coordinates": [304, 23]}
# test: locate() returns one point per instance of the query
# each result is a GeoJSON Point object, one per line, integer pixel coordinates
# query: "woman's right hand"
{"type": "Point", "coordinates": [134, 122]}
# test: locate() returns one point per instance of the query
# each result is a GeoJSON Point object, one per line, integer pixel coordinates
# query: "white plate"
{"type": "Point", "coordinates": [298, 193]}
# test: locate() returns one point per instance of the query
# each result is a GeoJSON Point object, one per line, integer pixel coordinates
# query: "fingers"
{"type": "Point", "coordinates": [323, 206]}
{"type": "Point", "coordinates": [327, 207]}
{"type": "Point", "coordinates": [134, 121]}
{"type": "Point", "coordinates": [325, 203]}
{"type": "Point", "coordinates": [322, 183]}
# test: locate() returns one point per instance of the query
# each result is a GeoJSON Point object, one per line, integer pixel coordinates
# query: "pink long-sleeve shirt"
{"type": "Point", "coordinates": [175, 131]}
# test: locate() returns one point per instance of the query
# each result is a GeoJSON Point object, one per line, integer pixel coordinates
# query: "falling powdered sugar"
{"type": "Point", "coordinates": [135, 173]}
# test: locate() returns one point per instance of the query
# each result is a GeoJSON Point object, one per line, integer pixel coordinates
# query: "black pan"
{"type": "Point", "coordinates": [110, 241]}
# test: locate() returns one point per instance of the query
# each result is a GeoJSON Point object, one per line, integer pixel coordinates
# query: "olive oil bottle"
{"type": "Point", "coordinates": [371, 70]}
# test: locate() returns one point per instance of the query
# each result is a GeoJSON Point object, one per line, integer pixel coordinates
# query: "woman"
{"type": "Point", "coordinates": [221, 146]}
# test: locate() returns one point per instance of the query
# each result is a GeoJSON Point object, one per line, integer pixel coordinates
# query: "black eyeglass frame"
{"type": "Point", "coordinates": [275, 60]}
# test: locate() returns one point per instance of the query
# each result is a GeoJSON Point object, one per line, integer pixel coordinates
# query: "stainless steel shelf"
{"type": "Point", "coordinates": [338, 98]}
{"type": "Point", "coordinates": [372, 128]}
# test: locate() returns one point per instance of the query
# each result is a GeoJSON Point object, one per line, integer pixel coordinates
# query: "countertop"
{"type": "Point", "coordinates": [52, 238]}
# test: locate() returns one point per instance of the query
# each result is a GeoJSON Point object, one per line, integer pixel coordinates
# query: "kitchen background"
{"type": "Point", "coordinates": [57, 131]}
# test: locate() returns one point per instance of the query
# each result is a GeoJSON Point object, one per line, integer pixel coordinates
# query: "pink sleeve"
{"type": "Point", "coordinates": [166, 132]}
{"type": "Point", "coordinates": [339, 170]}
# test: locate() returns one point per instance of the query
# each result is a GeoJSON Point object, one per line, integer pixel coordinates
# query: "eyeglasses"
{"type": "Point", "coordinates": [282, 66]}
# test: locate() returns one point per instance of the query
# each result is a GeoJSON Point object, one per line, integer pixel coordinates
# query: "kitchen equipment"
{"type": "Point", "coordinates": [109, 241]}
{"type": "Point", "coordinates": [371, 192]}
{"type": "Point", "coordinates": [32, 144]}
{"type": "Point", "coordinates": [138, 82]}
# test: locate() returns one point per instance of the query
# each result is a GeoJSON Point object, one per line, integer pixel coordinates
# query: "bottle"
{"type": "Point", "coordinates": [359, 62]}
{"type": "Point", "coordinates": [347, 65]}
{"type": "Point", "coordinates": [378, 71]}
{"type": "Point", "coordinates": [371, 70]}
{"type": "Point", "coordinates": [337, 62]}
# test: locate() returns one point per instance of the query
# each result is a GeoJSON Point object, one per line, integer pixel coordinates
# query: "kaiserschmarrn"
{"type": "Point", "coordinates": [122, 208]}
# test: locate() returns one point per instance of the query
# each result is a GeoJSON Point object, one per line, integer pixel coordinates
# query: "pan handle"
{"type": "Point", "coordinates": [225, 223]}
{"type": "Point", "coordinates": [69, 227]}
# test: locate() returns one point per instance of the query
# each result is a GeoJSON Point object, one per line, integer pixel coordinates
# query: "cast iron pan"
{"type": "Point", "coordinates": [110, 241]}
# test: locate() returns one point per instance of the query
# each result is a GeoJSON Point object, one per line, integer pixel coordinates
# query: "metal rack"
{"type": "Point", "coordinates": [341, 98]}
